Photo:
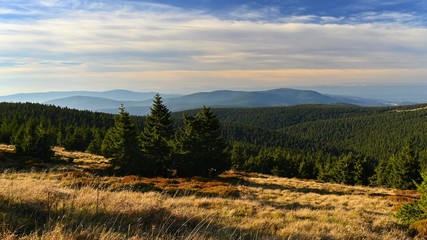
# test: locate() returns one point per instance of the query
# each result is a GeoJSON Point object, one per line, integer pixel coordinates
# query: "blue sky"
{"type": "Point", "coordinates": [200, 45]}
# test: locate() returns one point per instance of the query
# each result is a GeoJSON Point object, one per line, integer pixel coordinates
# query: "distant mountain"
{"type": "Point", "coordinates": [246, 99]}
{"type": "Point", "coordinates": [392, 94]}
{"type": "Point", "coordinates": [88, 103]}
{"type": "Point", "coordinates": [363, 102]}
{"type": "Point", "coordinates": [140, 103]}
{"type": "Point", "coordinates": [42, 97]}
{"type": "Point", "coordinates": [275, 97]}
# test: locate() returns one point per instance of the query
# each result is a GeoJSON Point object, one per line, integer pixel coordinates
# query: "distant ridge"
{"type": "Point", "coordinates": [42, 97]}
{"type": "Point", "coordinates": [138, 103]}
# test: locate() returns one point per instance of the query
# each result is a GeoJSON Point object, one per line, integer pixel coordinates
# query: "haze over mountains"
{"type": "Point", "coordinates": [138, 103]}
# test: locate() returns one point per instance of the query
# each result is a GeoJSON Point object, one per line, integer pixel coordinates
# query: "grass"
{"type": "Point", "coordinates": [69, 200]}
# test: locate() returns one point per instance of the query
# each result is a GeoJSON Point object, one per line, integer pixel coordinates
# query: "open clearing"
{"type": "Point", "coordinates": [72, 199]}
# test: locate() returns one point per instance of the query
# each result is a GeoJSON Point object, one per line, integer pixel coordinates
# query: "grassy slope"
{"type": "Point", "coordinates": [68, 202]}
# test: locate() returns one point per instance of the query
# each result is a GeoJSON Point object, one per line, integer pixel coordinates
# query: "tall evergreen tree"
{"type": "Point", "coordinates": [238, 156]}
{"type": "Point", "coordinates": [156, 138]}
{"type": "Point", "coordinates": [404, 168]}
{"type": "Point", "coordinates": [121, 143]}
{"type": "Point", "coordinates": [34, 140]}
{"type": "Point", "coordinates": [96, 144]}
{"type": "Point", "coordinates": [201, 147]}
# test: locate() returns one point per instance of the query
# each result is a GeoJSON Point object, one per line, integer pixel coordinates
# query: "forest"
{"type": "Point", "coordinates": [381, 146]}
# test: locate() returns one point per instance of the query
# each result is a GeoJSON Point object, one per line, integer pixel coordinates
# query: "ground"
{"type": "Point", "coordinates": [71, 199]}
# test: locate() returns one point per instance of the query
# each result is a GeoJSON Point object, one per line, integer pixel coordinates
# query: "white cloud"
{"type": "Point", "coordinates": [137, 43]}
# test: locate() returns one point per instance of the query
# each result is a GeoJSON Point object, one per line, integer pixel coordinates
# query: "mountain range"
{"type": "Point", "coordinates": [138, 103]}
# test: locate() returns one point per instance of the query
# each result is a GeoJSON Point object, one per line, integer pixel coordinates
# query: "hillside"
{"type": "Point", "coordinates": [73, 201]}
{"type": "Point", "coordinates": [377, 132]}
{"type": "Point", "coordinates": [256, 99]}
{"type": "Point", "coordinates": [41, 97]}
{"type": "Point", "coordinates": [280, 117]}
{"type": "Point", "coordinates": [334, 143]}
{"type": "Point", "coordinates": [138, 103]}
{"type": "Point", "coordinates": [90, 103]}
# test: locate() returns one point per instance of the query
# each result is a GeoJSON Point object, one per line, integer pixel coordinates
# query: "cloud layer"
{"type": "Point", "coordinates": [76, 44]}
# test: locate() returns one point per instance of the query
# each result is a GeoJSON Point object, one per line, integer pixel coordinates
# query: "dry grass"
{"type": "Point", "coordinates": [71, 203]}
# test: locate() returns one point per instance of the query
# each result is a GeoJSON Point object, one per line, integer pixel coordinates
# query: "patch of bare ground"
{"type": "Point", "coordinates": [72, 203]}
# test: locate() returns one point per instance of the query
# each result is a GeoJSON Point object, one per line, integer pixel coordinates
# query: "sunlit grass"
{"type": "Point", "coordinates": [71, 203]}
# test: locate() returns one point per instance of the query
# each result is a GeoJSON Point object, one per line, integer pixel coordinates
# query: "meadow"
{"type": "Point", "coordinates": [71, 198]}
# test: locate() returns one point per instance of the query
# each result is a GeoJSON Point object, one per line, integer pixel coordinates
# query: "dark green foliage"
{"type": "Point", "coordinates": [34, 140]}
{"type": "Point", "coordinates": [415, 211]}
{"type": "Point", "coordinates": [121, 144]}
{"type": "Point", "coordinates": [347, 168]}
{"type": "Point", "coordinates": [7, 130]}
{"type": "Point", "coordinates": [71, 128]}
{"type": "Point", "coordinates": [331, 143]}
{"type": "Point", "coordinates": [277, 161]}
{"type": "Point", "coordinates": [280, 117]}
{"type": "Point", "coordinates": [156, 139]}
{"type": "Point", "coordinates": [239, 155]}
{"type": "Point", "coordinates": [200, 147]}
{"type": "Point", "coordinates": [77, 139]}
{"type": "Point", "coordinates": [95, 145]}
{"type": "Point", "coordinates": [377, 136]}
{"type": "Point", "coordinates": [405, 168]}
{"type": "Point", "coordinates": [350, 169]}
{"type": "Point", "coordinates": [401, 171]}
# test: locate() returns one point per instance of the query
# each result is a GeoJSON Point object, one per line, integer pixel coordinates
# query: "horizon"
{"type": "Point", "coordinates": [192, 46]}
{"type": "Point", "coordinates": [398, 93]}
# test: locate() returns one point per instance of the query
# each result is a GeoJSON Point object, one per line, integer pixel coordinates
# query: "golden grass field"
{"type": "Point", "coordinates": [67, 200]}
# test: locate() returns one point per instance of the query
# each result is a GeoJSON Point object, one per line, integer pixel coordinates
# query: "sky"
{"type": "Point", "coordinates": [186, 46]}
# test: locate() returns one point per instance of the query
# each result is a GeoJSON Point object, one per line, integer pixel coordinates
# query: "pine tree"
{"type": "Point", "coordinates": [201, 147]}
{"type": "Point", "coordinates": [343, 170]}
{"type": "Point", "coordinates": [404, 168]}
{"type": "Point", "coordinates": [34, 140]}
{"type": "Point", "coordinates": [156, 139]}
{"type": "Point", "coordinates": [238, 156]}
{"type": "Point", "coordinates": [121, 144]}
{"type": "Point", "coordinates": [382, 173]}
{"type": "Point", "coordinates": [362, 170]}
{"type": "Point", "coordinates": [5, 132]}
{"type": "Point", "coordinates": [96, 143]}
{"type": "Point", "coordinates": [77, 140]}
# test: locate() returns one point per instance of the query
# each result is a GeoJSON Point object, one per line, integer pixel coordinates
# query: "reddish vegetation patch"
{"type": "Point", "coordinates": [221, 186]}
{"type": "Point", "coordinates": [404, 196]}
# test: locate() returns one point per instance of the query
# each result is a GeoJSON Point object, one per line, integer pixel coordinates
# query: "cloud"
{"type": "Point", "coordinates": [125, 44]}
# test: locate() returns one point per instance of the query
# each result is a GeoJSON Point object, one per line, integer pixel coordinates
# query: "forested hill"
{"type": "Point", "coordinates": [281, 117]}
{"type": "Point", "coordinates": [345, 144]}
{"type": "Point", "coordinates": [377, 132]}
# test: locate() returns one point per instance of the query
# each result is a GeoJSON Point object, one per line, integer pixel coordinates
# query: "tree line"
{"type": "Point", "coordinates": [351, 145]}
{"type": "Point", "coordinates": [159, 149]}
{"type": "Point", "coordinates": [402, 170]}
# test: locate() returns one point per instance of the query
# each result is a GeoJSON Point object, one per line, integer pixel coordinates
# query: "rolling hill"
{"type": "Point", "coordinates": [42, 97]}
{"type": "Point", "coordinates": [216, 99]}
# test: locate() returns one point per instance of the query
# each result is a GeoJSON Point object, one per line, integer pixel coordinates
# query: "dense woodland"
{"type": "Point", "coordinates": [385, 146]}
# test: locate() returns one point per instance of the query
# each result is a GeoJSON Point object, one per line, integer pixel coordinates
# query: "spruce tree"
{"type": "Point", "coordinates": [121, 144]}
{"type": "Point", "coordinates": [201, 147]}
{"type": "Point", "coordinates": [34, 140]}
{"type": "Point", "coordinates": [96, 143]}
{"type": "Point", "coordinates": [5, 132]}
{"type": "Point", "coordinates": [404, 168]}
{"type": "Point", "coordinates": [238, 156]}
{"type": "Point", "coordinates": [156, 138]}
